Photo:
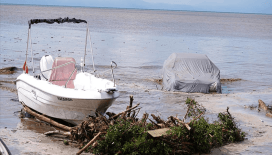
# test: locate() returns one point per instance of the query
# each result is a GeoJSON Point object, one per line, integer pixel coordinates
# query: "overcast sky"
{"type": "Point", "coordinates": [240, 6]}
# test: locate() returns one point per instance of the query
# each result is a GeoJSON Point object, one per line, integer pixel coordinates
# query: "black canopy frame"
{"type": "Point", "coordinates": [59, 21]}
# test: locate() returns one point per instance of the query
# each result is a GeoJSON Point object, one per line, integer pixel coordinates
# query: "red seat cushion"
{"type": "Point", "coordinates": [62, 69]}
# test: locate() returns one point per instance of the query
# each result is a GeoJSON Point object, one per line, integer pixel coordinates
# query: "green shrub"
{"type": "Point", "coordinates": [204, 136]}
{"type": "Point", "coordinates": [128, 137]}
{"type": "Point", "coordinates": [124, 138]}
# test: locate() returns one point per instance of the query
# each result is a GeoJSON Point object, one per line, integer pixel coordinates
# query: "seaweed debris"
{"type": "Point", "coordinates": [229, 80]}
{"type": "Point", "coordinates": [8, 70]}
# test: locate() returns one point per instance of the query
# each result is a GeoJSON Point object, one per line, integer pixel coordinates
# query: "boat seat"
{"type": "Point", "coordinates": [46, 66]}
{"type": "Point", "coordinates": [63, 68]}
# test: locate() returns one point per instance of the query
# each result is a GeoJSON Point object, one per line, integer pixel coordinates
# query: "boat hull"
{"type": "Point", "coordinates": [61, 105]}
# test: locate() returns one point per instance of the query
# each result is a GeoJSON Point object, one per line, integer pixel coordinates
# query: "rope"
{"type": "Point", "coordinates": [70, 77]}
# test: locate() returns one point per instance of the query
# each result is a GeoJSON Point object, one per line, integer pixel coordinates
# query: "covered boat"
{"type": "Point", "coordinates": [188, 72]}
{"type": "Point", "coordinates": [60, 90]}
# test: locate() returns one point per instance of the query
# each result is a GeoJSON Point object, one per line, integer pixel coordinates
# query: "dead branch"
{"type": "Point", "coordinates": [86, 146]}
{"type": "Point", "coordinates": [196, 117]}
{"type": "Point", "coordinates": [154, 123]}
{"type": "Point", "coordinates": [125, 111]}
{"type": "Point", "coordinates": [57, 132]}
{"type": "Point", "coordinates": [181, 122]}
{"type": "Point", "coordinates": [157, 119]}
{"type": "Point", "coordinates": [130, 105]}
{"type": "Point", "coordinates": [186, 115]}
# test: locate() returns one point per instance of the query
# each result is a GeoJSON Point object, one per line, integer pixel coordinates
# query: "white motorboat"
{"type": "Point", "coordinates": [59, 90]}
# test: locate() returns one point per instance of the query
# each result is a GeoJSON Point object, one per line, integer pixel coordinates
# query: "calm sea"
{"type": "Point", "coordinates": [139, 41]}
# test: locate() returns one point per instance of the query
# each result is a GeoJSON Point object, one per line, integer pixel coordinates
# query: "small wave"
{"type": "Point", "coordinates": [8, 89]}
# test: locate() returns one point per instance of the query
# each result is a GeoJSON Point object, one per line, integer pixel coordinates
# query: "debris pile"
{"type": "Point", "coordinates": [124, 133]}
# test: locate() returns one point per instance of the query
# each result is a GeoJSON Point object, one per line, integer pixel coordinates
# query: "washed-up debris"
{"type": "Point", "coordinates": [252, 107]}
{"type": "Point", "coordinates": [4, 81]}
{"type": "Point", "coordinates": [124, 133]}
{"type": "Point", "coordinates": [230, 80]}
{"type": "Point", "coordinates": [8, 70]}
{"type": "Point", "coordinates": [267, 109]}
{"type": "Point", "coordinates": [268, 115]}
{"type": "Point", "coordinates": [7, 88]}
{"type": "Point", "coordinates": [261, 107]}
{"type": "Point", "coordinates": [159, 81]}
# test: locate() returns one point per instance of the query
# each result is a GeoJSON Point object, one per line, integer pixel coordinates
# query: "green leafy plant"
{"type": "Point", "coordinates": [124, 138]}
{"type": "Point", "coordinates": [194, 108]}
{"type": "Point", "coordinates": [204, 136]}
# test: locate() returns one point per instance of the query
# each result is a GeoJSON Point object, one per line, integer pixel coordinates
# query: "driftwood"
{"type": "Point", "coordinates": [57, 132]}
{"type": "Point", "coordinates": [197, 117]}
{"type": "Point", "coordinates": [155, 124]}
{"type": "Point", "coordinates": [125, 111]}
{"type": "Point", "coordinates": [184, 124]}
{"type": "Point", "coordinates": [86, 146]}
{"type": "Point", "coordinates": [268, 115]}
{"type": "Point", "coordinates": [157, 119]}
{"type": "Point", "coordinates": [267, 109]}
{"type": "Point", "coordinates": [46, 119]}
{"type": "Point", "coordinates": [262, 105]}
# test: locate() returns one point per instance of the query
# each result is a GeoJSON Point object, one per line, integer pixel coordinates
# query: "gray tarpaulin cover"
{"type": "Point", "coordinates": [190, 73]}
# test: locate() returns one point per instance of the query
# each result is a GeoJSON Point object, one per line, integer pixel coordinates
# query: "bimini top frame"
{"type": "Point", "coordinates": [59, 21]}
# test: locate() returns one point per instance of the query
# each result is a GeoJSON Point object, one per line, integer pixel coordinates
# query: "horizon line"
{"type": "Point", "coordinates": [134, 8]}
